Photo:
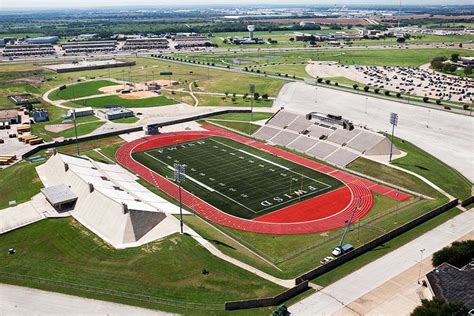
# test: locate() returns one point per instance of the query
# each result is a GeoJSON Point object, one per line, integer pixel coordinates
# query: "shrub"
{"type": "Point", "coordinates": [256, 96]}
{"type": "Point", "coordinates": [425, 99]}
{"type": "Point", "coordinates": [377, 90]}
{"type": "Point", "coordinates": [328, 81]}
{"type": "Point", "coordinates": [355, 87]}
{"type": "Point", "coordinates": [439, 307]}
{"type": "Point", "coordinates": [336, 84]}
{"type": "Point", "coordinates": [320, 80]}
{"type": "Point", "coordinates": [366, 88]}
{"type": "Point", "coordinates": [438, 101]}
{"type": "Point", "coordinates": [387, 93]}
{"type": "Point", "coordinates": [399, 95]}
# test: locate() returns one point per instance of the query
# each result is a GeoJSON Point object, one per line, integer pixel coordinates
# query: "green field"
{"type": "Point", "coordinates": [80, 90]}
{"type": "Point", "coordinates": [113, 100]}
{"type": "Point", "coordinates": [236, 178]}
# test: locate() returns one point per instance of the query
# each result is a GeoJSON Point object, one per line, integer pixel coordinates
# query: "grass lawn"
{"type": "Point", "coordinates": [243, 127]}
{"type": "Point", "coordinates": [169, 269]}
{"type": "Point", "coordinates": [256, 116]}
{"type": "Point", "coordinates": [209, 100]}
{"type": "Point", "coordinates": [19, 182]}
{"type": "Point", "coordinates": [251, 181]}
{"type": "Point", "coordinates": [391, 175]}
{"type": "Point", "coordinates": [126, 120]}
{"type": "Point", "coordinates": [113, 100]}
{"type": "Point", "coordinates": [82, 129]}
{"type": "Point", "coordinates": [80, 90]}
{"type": "Point", "coordinates": [433, 169]}
{"type": "Point", "coordinates": [357, 263]}
{"type": "Point", "coordinates": [110, 150]}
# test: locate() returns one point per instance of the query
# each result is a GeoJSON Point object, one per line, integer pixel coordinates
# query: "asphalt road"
{"type": "Point", "coordinates": [15, 300]}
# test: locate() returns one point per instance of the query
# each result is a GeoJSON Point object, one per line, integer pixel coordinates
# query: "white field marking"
{"type": "Point", "coordinates": [273, 163]}
{"type": "Point", "coordinates": [187, 176]}
{"type": "Point", "coordinates": [203, 185]}
{"type": "Point", "coordinates": [290, 200]}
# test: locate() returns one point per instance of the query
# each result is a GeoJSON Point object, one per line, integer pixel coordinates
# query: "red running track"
{"type": "Point", "coordinates": [336, 206]}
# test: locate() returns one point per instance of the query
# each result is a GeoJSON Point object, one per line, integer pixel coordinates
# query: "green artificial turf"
{"type": "Point", "coordinates": [238, 179]}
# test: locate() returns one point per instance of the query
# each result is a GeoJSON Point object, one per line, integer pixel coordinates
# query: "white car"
{"type": "Point", "coordinates": [326, 260]}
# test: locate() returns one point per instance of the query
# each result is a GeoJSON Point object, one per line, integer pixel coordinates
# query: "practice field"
{"type": "Point", "coordinates": [236, 178]}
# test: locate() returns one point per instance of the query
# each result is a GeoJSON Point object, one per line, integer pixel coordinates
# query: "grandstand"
{"type": "Point", "coordinates": [145, 43]}
{"type": "Point", "coordinates": [110, 202]}
{"type": "Point", "coordinates": [24, 50]}
{"type": "Point", "coordinates": [73, 48]}
{"type": "Point", "coordinates": [327, 139]}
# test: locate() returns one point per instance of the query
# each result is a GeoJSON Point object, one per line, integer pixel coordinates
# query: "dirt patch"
{"type": "Point", "coordinates": [34, 81]}
{"type": "Point", "coordinates": [57, 128]}
{"type": "Point", "coordinates": [138, 95]}
{"type": "Point", "coordinates": [113, 89]}
{"type": "Point", "coordinates": [163, 83]}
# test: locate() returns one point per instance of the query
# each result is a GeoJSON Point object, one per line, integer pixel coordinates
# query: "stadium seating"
{"type": "Point", "coordinates": [282, 119]}
{"type": "Point", "coordinates": [342, 157]}
{"type": "Point", "coordinates": [365, 141]}
{"type": "Point", "coordinates": [322, 150]}
{"type": "Point", "coordinates": [302, 143]}
{"type": "Point", "coordinates": [284, 138]}
{"type": "Point", "coordinates": [300, 124]}
{"type": "Point", "coordinates": [266, 133]}
{"type": "Point", "coordinates": [343, 136]}
{"type": "Point", "coordinates": [318, 131]}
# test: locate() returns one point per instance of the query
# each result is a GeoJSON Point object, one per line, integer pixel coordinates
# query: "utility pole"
{"type": "Point", "coordinates": [179, 176]}
{"type": "Point", "coordinates": [394, 122]}
{"type": "Point", "coordinates": [75, 131]}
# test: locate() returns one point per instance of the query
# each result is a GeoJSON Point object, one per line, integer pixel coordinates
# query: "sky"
{"type": "Point", "coordinates": [99, 3]}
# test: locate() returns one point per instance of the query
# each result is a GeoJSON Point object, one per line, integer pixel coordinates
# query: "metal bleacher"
{"type": "Point", "coordinates": [300, 124]}
{"type": "Point", "coordinates": [302, 143]}
{"type": "Point", "coordinates": [284, 138]}
{"type": "Point", "coordinates": [321, 150]}
{"type": "Point", "coordinates": [282, 119]}
{"type": "Point", "coordinates": [342, 157]}
{"type": "Point", "coordinates": [266, 132]}
{"type": "Point", "coordinates": [318, 131]}
{"type": "Point", "coordinates": [343, 136]}
{"type": "Point", "coordinates": [365, 141]}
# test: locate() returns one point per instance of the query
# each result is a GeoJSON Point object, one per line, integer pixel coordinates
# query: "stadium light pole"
{"type": "Point", "coordinates": [252, 96]}
{"type": "Point", "coordinates": [179, 176]}
{"type": "Point", "coordinates": [394, 122]}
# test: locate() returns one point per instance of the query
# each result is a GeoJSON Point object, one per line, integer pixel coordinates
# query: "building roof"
{"type": "Point", "coordinates": [8, 114]}
{"type": "Point", "coordinates": [59, 194]}
{"type": "Point", "coordinates": [452, 284]}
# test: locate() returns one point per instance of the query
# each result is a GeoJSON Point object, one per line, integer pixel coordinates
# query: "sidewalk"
{"type": "Point", "coordinates": [355, 285]}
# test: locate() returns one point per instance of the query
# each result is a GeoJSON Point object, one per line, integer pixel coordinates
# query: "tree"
{"type": "Point", "coordinates": [320, 80]}
{"type": "Point", "coordinates": [438, 101]}
{"type": "Point", "coordinates": [387, 93]}
{"type": "Point", "coordinates": [377, 90]}
{"type": "Point", "coordinates": [425, 99]}
{"type": "Point", "coordinates": [438, 307]}
{"type": "Point", "coordinates": [399, 95]}
{"type": "Point", "coordinates": [245, 96]}
{"type": "Point", "coordinates": [366, 88]}
{"type": "Point", "coordinates": [265, 96]}
{"type": "Point", "coordinates": [468, 70]}
{"type": "Point", "coordinates": [256, 96]}
{"type": "Point", "coordinates": [401, 40]}
{"type": "Point", "coordinates": [458, 254]}
{"type": "Point", "coordinates": [455, 58]}
{"type": "Point", "coordinates": [355, 87]}
{"type": "Point", "coordinates": [328, 81]}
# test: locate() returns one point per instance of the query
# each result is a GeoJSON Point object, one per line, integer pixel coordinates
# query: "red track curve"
{"type": "Point", "coordinates": [295, 219]}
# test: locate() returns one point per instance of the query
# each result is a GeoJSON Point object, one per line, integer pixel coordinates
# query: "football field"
{"type": "Point", "coordinates": [238, 179]}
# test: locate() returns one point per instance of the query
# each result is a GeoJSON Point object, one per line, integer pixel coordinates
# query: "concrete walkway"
{"type": "Point", "coordinates": [345, 291]}
{"type": "Point", "coordinates": [17, 300]}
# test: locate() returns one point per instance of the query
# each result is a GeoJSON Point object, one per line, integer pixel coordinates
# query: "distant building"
{"type": "Point", "coordinates": [79, 112]}
{"type": "Point", "coordinates": [42, 40]}
{"type": "Point", "coordinates": [115, 113]}
{"type": "Point", "coordinates": [86, 37]}
{"type": "Point", "coordinates": [2, 42]}
{"type": "Point", "coordinates": [10, 116]}
{"type": "Point", "coordinates": [467, 61]}
{"type": "Point", "coordinates": [307, 23]}
{"type": "Point", "coordinates": [451, 284]}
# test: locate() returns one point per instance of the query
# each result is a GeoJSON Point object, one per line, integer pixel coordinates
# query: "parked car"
{"type": "Point", "coordinates": [339, 250]}
{"type": "Point", "coordinates": [326, 260]}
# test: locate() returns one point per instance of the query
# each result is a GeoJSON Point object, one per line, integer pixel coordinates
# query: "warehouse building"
{"type": "Point", "coordinates": [22, 50]}
{"type": "Point", "coordinates": [42, 40]}
{"type": "Point", "coordinates": [79, 112]}
{"type": "Point", "coordinates": [115, 113]}
{"type": "Point", "coordinates": [73, 48]}
{"type": "Point", "coordinates": [10, 116]}
{"type": "Point", "coordinates": [192, 41]}
{"type": "Point", "coordinates": [145, 43]}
